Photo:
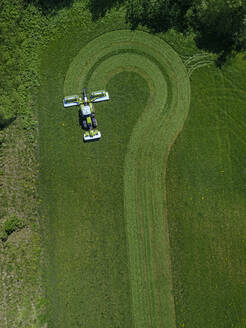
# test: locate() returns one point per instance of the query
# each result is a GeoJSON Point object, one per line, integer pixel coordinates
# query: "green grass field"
{"type": "Point", "coordinates": [144, 228]}
{"type": "Point", "coordinates": [109, 213]}
{"type": "Point", "coordinates": [104, 270]}
{"type": "Point", "coordinates": [206, 202]}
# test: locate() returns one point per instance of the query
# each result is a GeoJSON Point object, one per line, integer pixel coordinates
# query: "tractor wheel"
{"type": "Point", "coordinates": [84, 125]}
{"type": "Point", "coordinates": [80, 118]}
{"type": "Point", "coordinates": [94, 122]}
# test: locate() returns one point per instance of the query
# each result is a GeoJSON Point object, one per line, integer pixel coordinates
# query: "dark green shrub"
{"type": "Point", "coordinates": [12, 224]}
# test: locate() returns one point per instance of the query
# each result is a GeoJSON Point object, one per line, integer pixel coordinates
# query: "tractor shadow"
{"type": "Point", "coordinates": [80, 121]}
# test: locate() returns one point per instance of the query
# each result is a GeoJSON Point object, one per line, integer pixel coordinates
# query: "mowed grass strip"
{"type": "Point", "coordinates": [206, 194]}
{"type": "Point", "coordinates": [147, 232]}
{"type": "Point", "coordinates": [87, 276]}
{"type": "Point", "coordinates": [148, 246]}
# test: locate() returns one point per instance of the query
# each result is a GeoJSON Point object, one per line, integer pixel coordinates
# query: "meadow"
{"type": "Point", "coordinates": [110, 262]}
{"type": "Point", "coordinates": [91, 246]}
{"type": "Point", "coordinates": [144, 228]}
{"type": "Point", "coordinates": [206, 201]}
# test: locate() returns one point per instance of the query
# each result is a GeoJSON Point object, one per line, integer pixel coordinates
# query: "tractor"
{"type": "Point", "coordinates": [86, 111]}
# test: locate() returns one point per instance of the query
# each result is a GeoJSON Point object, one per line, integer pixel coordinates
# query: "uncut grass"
{"type": "Point", "coordinates": [206, 180]}
{"type": "Point", "coordinates": [83, 191]}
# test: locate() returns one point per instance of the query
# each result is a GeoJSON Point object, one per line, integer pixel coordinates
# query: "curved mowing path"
{"type": "Point", "coordinates": [145, 162]}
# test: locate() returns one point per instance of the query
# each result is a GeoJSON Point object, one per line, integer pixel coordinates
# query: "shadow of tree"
{"type": "Point", "coordinates": [98, 8]}
{"type": "Point", "coordinates": [5, 122]}
{"type": "Point", "coordinates": [49, 6]}
{"type": "Point", "coordinates": [219, 44]}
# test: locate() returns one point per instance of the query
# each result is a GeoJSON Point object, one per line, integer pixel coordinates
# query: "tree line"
{"type": "Point", "coordinates": [22, 23]}
{"type": "Point", "coordinates": [219, 26]}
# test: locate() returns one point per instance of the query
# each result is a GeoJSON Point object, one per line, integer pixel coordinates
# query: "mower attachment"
{"type": "Point", "coordinates": [92, 135]}
{"type": "Point", "coordinates": [71, 101]}
{"type": "Point", "coordinates": [98, 96]}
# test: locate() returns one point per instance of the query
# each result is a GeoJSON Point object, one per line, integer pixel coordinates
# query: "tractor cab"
{"type": "Point", "coordinates": [86, 112]}
{"type": "Point", "coordinates": [86, 117]}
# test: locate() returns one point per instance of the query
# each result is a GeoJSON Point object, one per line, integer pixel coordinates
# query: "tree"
{"type": "Point", "coordinates": [220, 25]}
{"type": "Point", "coordinates": [158, 15]}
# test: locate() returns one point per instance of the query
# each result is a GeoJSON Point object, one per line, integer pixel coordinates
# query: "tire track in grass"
{"type": "Point", "coordinates": [145, 162]}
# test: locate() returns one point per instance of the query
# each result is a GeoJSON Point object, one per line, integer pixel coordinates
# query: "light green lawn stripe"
{"type": "Point", "coordinates": [150, 207]}
{"type": "Point", "coordinates": [172, 127]}
{"type": "Point", "coordinates": [154, 210]}
{"type": "Point", "coordinates": [107, 53]}
{"type": "Point", "coordinates": [147, 206]}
